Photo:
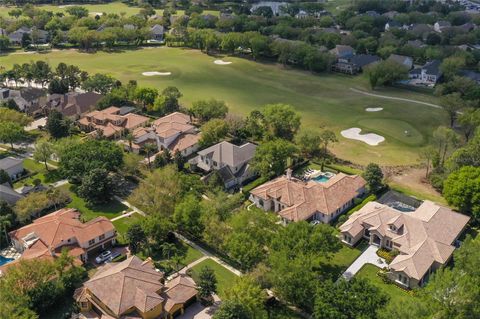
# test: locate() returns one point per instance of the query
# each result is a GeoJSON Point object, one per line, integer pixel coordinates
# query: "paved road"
{"type": "Point", "coordinates": [369, 256]}
{"type": "Point", "coordinates": [395, 98]}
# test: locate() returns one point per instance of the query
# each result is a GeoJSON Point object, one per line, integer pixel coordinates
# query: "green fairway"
{"type": "Point", "coordinates": [114, 7]}
{"type": "Point", "coordinates": [323, 100]}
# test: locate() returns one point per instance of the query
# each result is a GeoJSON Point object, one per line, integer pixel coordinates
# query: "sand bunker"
{"type": "Point", "coordinates": [370, 138]}
{"type": "Point", "coordinates": [374, 109]}
{"type": "Point", "coordinates": [153, 73]}
{"type": "Point", "coordinates": [221, 62]}
{"type": "Point", "coordinates": [96, 13]}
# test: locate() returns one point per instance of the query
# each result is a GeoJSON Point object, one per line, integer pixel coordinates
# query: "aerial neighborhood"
{"type": "Point", "coordinates": [239, 160]}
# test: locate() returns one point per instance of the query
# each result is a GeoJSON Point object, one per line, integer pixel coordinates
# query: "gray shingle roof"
{"type": "Point", "coordinates": [9, 162]}
{"type": "Point", "coordinates": [230, 154]}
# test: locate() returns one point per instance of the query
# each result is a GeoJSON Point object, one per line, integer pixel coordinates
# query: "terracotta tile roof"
{"type": "Point", "coordinates": [110, 122]}
{"type": "Point", "coordinates": [425, 235]}
{"type": "Point", "coordinates": [47, 233]}
{"type": "Point", "coordinates": [303, 199]}
{"type": "Point", "coordinates": [131, 283]}
{"type": "Point", "coordinates": [184, 141]}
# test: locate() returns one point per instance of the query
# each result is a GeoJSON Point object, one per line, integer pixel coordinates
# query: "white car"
{"type": "Point", "coordinates": [315, 222]}
{"type": "Point", "coordinates": [103, 256]}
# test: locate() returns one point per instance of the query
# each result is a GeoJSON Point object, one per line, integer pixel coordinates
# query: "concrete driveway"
{"type": "Point", "coordinates": [197, 311]}
{"type": "Point", "coordinates": [369, 256]}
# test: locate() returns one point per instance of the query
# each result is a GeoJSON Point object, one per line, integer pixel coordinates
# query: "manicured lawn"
{"type": "Point", "coordinates": [40, 172]}
{"type": "Point", "coordinates": [323, 100]}
{"type": "Point", "coordinates": [225, 278]}
{"type": "Point", "coordinates": [343, 259]}
{"type": "Point", "coordinates": [113, 7]}
{"type": "Point", "coordinates": [110, 210]}
{"type": "Point", "coordinates": [369, 272]}
{"type": "Point", "coordinates": [122, 224]}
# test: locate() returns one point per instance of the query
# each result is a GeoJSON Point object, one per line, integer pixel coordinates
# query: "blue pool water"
{"type": "Point", "coordinates": [321, 179]}
{"type": "Point", "coordinates": [4, 260]}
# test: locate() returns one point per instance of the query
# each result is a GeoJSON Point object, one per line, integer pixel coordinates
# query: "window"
{"type": "Point", "coordinates": [215, 163]}
{"type": "Point", "coordinates": [84, 304]}
{"type": "Point", "coordinates": [91, 241]}
{"type": "Point", "coordinates": [101, 237]}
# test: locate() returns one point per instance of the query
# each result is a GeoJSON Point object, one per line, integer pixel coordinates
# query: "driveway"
{"type": "Point", "coordinates": [197, 311]}
{"type": "Point", "coordinates": [369, 256]}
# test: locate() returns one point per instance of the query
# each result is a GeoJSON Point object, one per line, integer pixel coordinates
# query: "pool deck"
{"type": "Point", "coordinates": [10, 252]}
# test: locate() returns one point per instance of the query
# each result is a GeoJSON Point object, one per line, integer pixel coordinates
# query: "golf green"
{"type": "Point", "coordinates": [324, 100]}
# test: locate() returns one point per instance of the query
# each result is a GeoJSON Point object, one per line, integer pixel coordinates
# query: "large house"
{"type": "Point", "coordinates": [229, 161]}
{"type": "Point", "coordinates": [427, 75]}
{"type": "Point", "coordinates": [27, 99]}
{"type": "Point", "coordinates": [296, 200]}
{"type": "Point", "coordinates": [354, 64]}
{"type": "Point", "coordinates": [424, 239]}
{"type": "Point", "coordinates": [134, 289]}
{"type": "Point", "coordinates": [12, 166]}
{"type": "Point", "coordinates": [110, 123]}
{"type": "Point", "coordinates": [157, 32]}
{"type": "Point", "coordinates": [403, 60]}
{"type": "Point", "coordinates": [36, 36]}
{"type": "Point", "coordinates": [72, 105]}
{"type": "Point", "coordinates": [174, 132]}
{"type": "Point", "coordinates": [48, 235]}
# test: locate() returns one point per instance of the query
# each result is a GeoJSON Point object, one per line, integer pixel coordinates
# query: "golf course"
{"type": "Point", "coordinates": [334, 101]}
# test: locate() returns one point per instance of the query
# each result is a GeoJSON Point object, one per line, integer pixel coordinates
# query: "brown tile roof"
{"type": "Point", "coordinates": [184, 141]}
{"type": "Point", "coordinates": [110, 115]}
{"type": "Point", "coordinates": [425, 235]}
{"type": "Point", "coordinates": [303, 199]}
{"type": "Point", "coordinates": [131, 283]}
{"type": "Point", "coordinates": [179, 290]}
{"type": "Point", "coordinates": [53, 230]}
{"type": "Point", "coordinates": [172, 124]}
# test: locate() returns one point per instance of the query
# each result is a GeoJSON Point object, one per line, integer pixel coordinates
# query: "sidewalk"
{"type": "Point", "coordinates": [369, 256]}
{"type": "Point", "coordinates": [135, 209]}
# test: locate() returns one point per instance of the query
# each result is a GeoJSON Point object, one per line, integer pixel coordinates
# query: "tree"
{"type": "Point", "coordinates": [207, 283]}
{"type": "Point", "coordinates": [213, 132]}
{"type": "Point", "coordinates": [470, 121]}
{"type": "Point", "coordinates": [356, 298]}
{"type": "Point", "coordinates": [5, 223]}
{"type": "Point", "coordinates": [308, 143]}
{"type": "Point", "coordinates": [167, 102]}
{"type": "Point", "coordinates": [462, 189]}
{"type": "Point", "coordinates": [231, 309]}
{"type": "Point", "coordinates": [9, 115]}
{"type": "Point", "coordinates": [76, 160]}
{"type": "Point", "coordinates": [136, 237]}
{"type": "Point", "coordinates": [159, 192]}
{"type": "Point", "coordinates": [43, 152]}
{"type": "Point", "coordinates": [427, 155]}
{"type": "Point", "coordinates": [452, 103]}
{"type": "Point", "coordinates": [4, 43]}
{"type": "Point", "coordinates": [451, 66]}
{"type": "Point", "coordinates": [327, 137]}
{"type": "Point", "coordinates": [97, 186]}
{"type": "Point", "coordinates": [386, 73]}
{"type": "Point", "coordinates": [30, 205]}
{"type": "Point", "coordinates": [5, 177]}
{"type": "Point", "coordinates": [187, 215]}
{"type": "Point", "coordinates": [205, 110]}
{"type": "Point", "coordinates": [100, 83]}
{"type": "Point", "coordinates": [149, 148]}
{"type": "Point", "coordinates": [11, 133]}
{"type": "Point", "coordinates": [271, 157]}
{"type": "Point", "coordinates": [281, 121]}
{"type": "Point", "coordinates": [77, 11]}
{"type": "Point", "coordinates": [250, 295]}
{"type": "Point", "coordinates": [56, 125]}
{"type": "Point", "coordinates": [374, 176]}
{"type": "Point", "coordinates": [146, 96]}
{"type": "Point", "coordinates": [445, 138]}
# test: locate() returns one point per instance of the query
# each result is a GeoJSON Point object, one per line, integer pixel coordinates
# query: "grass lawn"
{"type": "Point", "coordinates": [122, 224]}
{"type": "Point", "coordinates": [114, 7]}
{"type": "Point", "coordinates": [323, 100]}
{"type": "Point", "coordinates": [39, 172]}
{"type": "Point", "coordinates": [110, 210]}
{"type": "Point", "coordinates": [341, 260]}
{"type": "Point", "coordinates": [225, 278]}
{"type": "Point", "coordinates": [369, 272]}
{"type": "Point", "coordinates": [280, 311]}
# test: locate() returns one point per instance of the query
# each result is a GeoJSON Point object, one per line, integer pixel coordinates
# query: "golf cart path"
{"type": "Point", "coordinates": [395, 98]}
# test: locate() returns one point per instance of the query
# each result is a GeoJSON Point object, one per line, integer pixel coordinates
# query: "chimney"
{"type": "Point", "coordinates": [289, 173]}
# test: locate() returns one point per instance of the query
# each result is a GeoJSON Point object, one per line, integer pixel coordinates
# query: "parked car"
{"type": "Point", "coordinates": [104, 256]}
{"type": "Point", "coordinates": [315, 222]}
{"type": "Point", "coordinates": [113, 255]}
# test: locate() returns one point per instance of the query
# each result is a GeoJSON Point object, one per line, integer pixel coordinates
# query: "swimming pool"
{"type": "Point", "coordinates": [4, 260]}
{"type": "Point", "coordinates": [321, 179]}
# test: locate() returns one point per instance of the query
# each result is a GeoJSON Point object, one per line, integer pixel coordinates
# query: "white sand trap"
{"type": "Point", "coordinates": [153, 73]}
{"type": "Point", "coordinates": [370, 138]}
{"type": "Point", "coordinates": [374, 109]}
{"type": "Point", "coordinates": [66, 6]}
{"type": "Point", "coordinates": [221, 62]}
{"type": "Point", "coordinates": [96, 14]}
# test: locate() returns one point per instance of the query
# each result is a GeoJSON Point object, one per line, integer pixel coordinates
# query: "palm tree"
{"type": "Point", "coordinates": [130, 138]}
{"type": "Point", "coordinates": [5, 222]}
{"type": "Point", "coordinates": [149, 148]}
{"type": "Point", "coordinates": [168, 249]}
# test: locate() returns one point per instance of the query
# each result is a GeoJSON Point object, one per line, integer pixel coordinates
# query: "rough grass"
{"type": "Point", "coordinates": [323, 100]}
{"type": "Point", "coordinates": [38, 171]}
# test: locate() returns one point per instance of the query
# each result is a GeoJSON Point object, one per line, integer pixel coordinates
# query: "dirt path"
{"type": "Point", "coordinates": [395, 98]}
